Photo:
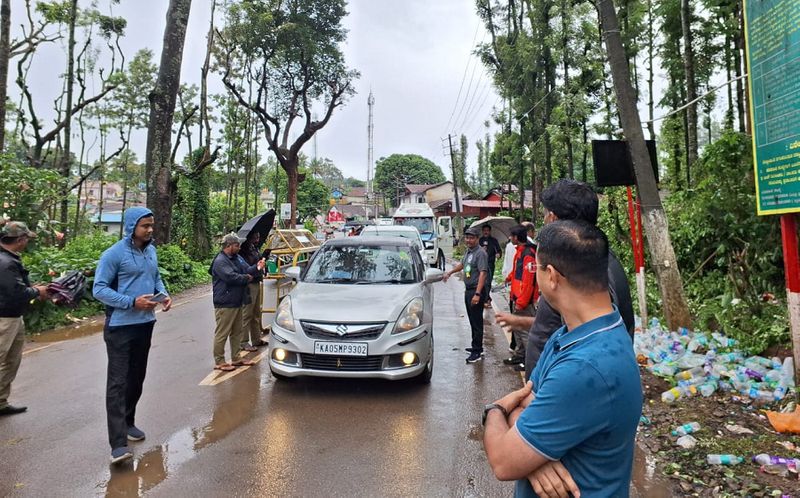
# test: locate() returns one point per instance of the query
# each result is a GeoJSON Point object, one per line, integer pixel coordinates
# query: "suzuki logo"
{"type": "Point", "coordinates": [341, 329]}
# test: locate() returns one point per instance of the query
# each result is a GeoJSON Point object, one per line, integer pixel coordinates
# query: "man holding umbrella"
{"type": "Point", "coordinates": [251, 312]}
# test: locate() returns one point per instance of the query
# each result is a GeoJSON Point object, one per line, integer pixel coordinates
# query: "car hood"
{"type": "Point", "coordinates": [351, 303]}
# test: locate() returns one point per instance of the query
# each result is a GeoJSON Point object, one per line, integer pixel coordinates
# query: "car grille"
{"type": "Point", "coordinates": [341, 363]}
{"type": "Point", "coordinates": [314, 331]}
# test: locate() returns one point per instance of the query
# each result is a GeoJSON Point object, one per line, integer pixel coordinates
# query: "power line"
{"type": "Point", "coordinates": [479, 113]}
{"type": "Point", "coordinates": [470, 108]}
{"type": "Point", "coordinates": [463, 78]}
{"type": "Point", "coordinates": [464, 102]}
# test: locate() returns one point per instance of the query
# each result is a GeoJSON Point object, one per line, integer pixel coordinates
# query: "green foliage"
{"type": "Point", "coordinates": [312, 197]}
{"type": "Point", "coordinates": [178, 270]}
{"type": "Point", "coordinates": [190, 227]}
{"type": "Point", "coordinates": [393, 172]}
{"type": "Point", "coordinates": [82, 253]}
{"type": "Point", "coordinates": [26, 193]}
{"type": "Point", "coordinates": [730, 257]}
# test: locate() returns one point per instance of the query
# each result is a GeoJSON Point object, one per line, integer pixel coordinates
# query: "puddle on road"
{"type": "Point", "coordinates": [90, 327]}
{"type": "Point", "coordinates": [234, 405]}
{"type": "Point", "coordinates": [645, 482]}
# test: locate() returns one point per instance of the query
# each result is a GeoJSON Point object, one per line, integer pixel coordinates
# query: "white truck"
{"type": "Point", "coordinates": [437, 233]}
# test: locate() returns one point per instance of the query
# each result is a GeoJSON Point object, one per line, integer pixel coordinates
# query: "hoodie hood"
{"type": "Point", "coordinates": [132, 217]}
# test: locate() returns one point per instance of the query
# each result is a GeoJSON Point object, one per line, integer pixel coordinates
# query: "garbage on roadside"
{"type": "Point", "coordinates": [724, 459]}
{"type": "Point", "coordinates": [738, 429]}
{"type": "Point", "coordinates": [701, 363]}
{"type": "Point", "coordinates": [785, 422]}
{"type": "Point", "coordinates": [686, 429]}
{"type": "Point", "coordinates": [688, 442]}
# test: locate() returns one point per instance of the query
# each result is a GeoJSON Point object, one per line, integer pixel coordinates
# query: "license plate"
{"type": "Point", "coordinates": [341, 348]}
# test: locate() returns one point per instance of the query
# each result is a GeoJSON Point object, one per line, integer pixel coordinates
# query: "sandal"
{"type": "Point", "coordinates": [225, 367]}
{"type": "Point", "coordinates": [260, 344]}
{"type": "Point", "coordinates": [249, 349]}
{"type": "Point", "coordinates": [243, 363]}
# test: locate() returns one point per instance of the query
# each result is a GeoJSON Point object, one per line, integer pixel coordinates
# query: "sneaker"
{"type": "Point", "coordinates": [135, 434]}
{"type": "Point", "coordinates": [474, 357]}
{"type": "Point", "coordinates": [121, 454]}
{"type": "Point", "coordinates": [514, 360]}
{"type": "Point", "coordinates": [469, 350]}
{"type": "Point", "coordinates": [519, 367]}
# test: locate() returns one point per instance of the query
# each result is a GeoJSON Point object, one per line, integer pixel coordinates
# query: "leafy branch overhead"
{"type": "Point", "coordinates": [278, 59]}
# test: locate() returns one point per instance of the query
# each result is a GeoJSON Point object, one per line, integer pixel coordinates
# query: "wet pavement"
{"type": "Point", "coordinates": [243, 434]}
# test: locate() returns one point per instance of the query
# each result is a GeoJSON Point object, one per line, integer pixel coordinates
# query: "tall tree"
{"type": "Point", "coordinates": [691, 84]}
{"type": "Point", "coordinates": [676, 307]}
{"type": "Point", "coordinates": [5, 53]}
{"type": "Point", "coordinates": [66, 157]}
{"type": "Point", "coordinates": [162, 110]}
{"type": "Point", "coordinates": [392, 173]}
{"type": "Point", "coordinates": [290, 51]}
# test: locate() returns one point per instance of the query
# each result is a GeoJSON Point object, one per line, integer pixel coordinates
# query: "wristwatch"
{"type": "Point", "coordinates": [478, 294]}
{"type": "Point", "coordinates": [490, 407]}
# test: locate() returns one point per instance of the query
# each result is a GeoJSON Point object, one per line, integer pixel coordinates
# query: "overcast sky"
{"type": "Point", "coordinates": [413, 54]}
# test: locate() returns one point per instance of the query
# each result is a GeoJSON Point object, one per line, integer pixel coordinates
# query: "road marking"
{"type": "Point", "coordinates": [38, 349]}
{"type": "Point", "coordinates": [217, 377]}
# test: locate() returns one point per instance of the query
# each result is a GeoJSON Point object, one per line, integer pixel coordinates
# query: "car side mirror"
{"type": "Point", "coordinates": [433, 275]}
{"type": "Point", "coordinates": [293, 272]}
{"type": "Point", "coordinates": [428, 244]}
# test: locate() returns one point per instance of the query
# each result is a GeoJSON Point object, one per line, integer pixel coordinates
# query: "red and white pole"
{"type": "Point", "coordinates": [635, 218]}
{"type": "Point", "coordinates": [791, 266]}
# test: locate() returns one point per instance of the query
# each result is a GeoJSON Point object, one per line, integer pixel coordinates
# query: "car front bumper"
{"type": "Point", "coordinates": [381, 361]}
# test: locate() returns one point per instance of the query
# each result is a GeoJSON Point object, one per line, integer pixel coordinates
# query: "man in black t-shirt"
{"type": "Point", "coordinates": [492, 248]}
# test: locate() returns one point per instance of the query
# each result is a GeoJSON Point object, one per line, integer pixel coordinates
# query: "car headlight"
{"type": "Point", "coordinates": [283, 317]}
{"type": "Point", "coordinates": [411, 317]}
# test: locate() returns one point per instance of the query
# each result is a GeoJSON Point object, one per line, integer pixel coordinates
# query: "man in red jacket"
{"type": "Point", "coordinates": [523, 291]}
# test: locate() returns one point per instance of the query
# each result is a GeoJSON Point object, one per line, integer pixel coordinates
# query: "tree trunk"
{"type": "Point", "coordinates": [162, 109]}
{"type": "Point", "coordinates": [290, 166]}
{"type": "Point", "coordinates": [5, 34]}
{"type": "Point", "coordinates": [737, 64]}
{"type": "Point", "coordinates": [585, 149]}
{"type": "Point", "coordinates": [65, 158]}
{"type": "Point", "coordinates": [691, 84]}
{"type": "Point", "coordinates": [567, 91]}
{"type": "Point", "coordinates": [651, 41]}
{"type": "Point", "coordinates": [729, 88]}
{"type": "Point", "coordinates": [664, 262]}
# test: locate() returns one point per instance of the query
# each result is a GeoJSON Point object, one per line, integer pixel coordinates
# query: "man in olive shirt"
{"type": "Point", "coordinates": [475, 266]}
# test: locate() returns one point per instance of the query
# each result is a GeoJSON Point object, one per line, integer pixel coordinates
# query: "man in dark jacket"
{"type": "Point", "coordinates": [251, 314]}
{"type": "Point", "coordinates": [16, 293]}
{"type": "Point", "coordinates": [230, 278]}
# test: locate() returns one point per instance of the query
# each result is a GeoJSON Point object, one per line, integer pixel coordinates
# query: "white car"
{"type": "Point", "coordinates": [410, 233]}
{"type": "Point", "coordinates": [362, 307]}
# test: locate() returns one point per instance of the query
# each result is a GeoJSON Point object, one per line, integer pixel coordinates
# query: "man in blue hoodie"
{"type": "Point", "coordinates": [126, 279]}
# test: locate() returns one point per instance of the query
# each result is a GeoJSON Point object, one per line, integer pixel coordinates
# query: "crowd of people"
{"type": "Point", "coordinates": [570, 429]}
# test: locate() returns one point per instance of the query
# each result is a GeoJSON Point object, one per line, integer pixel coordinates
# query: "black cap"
{"type": "Point", "coordinates": [472, 231]}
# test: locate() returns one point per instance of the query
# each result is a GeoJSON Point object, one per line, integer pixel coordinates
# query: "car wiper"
{"type": "Point", "coordinates": [394, 281]}
{"type": "Point", "coordinates": [333, 281]}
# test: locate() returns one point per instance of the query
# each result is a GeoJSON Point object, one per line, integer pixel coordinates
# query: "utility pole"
{"type": "Point", "coordinates": [456, 198]}
{"type": "Point", "coordinates": [370, 181]}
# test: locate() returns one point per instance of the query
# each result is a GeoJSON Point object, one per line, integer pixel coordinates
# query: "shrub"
{"type": "Point", "coordinates": [82, 253]}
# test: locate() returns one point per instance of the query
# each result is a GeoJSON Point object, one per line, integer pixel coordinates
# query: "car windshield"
{"type": "Point", "coordinates": [423, 225]}
{"type": "Point", "coordinates": [388, 232]}
{"type": "Point", "coordinates": [363, 264]}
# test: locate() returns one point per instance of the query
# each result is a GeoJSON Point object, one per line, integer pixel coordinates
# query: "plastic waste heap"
{"type": "Point", "coordinates": [700, 363]}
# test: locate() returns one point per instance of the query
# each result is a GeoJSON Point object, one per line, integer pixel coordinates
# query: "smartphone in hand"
{"type": "Point", "coordinates": [159, 298]}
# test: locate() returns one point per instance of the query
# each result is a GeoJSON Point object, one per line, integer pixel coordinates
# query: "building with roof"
{"type": "Point", "coordinates": [420, 194]}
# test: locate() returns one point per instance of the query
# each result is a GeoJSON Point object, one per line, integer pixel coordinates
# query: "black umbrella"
{"type": "Point", "coordinates": [260, 224]}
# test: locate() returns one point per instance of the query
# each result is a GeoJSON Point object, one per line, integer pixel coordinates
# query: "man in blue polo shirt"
{"type": "Point", "coordinates": [584, 400]}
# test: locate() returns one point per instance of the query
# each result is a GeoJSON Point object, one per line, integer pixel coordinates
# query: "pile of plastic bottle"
{"type": "Point", "coordinates": [701, 363]}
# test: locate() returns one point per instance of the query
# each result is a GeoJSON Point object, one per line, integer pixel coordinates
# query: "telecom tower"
{"type": "Point", "coordinates": [370, 181]}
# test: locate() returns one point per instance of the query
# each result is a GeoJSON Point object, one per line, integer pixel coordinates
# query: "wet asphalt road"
{"type": "Point", "coordinates": [249, 434]}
